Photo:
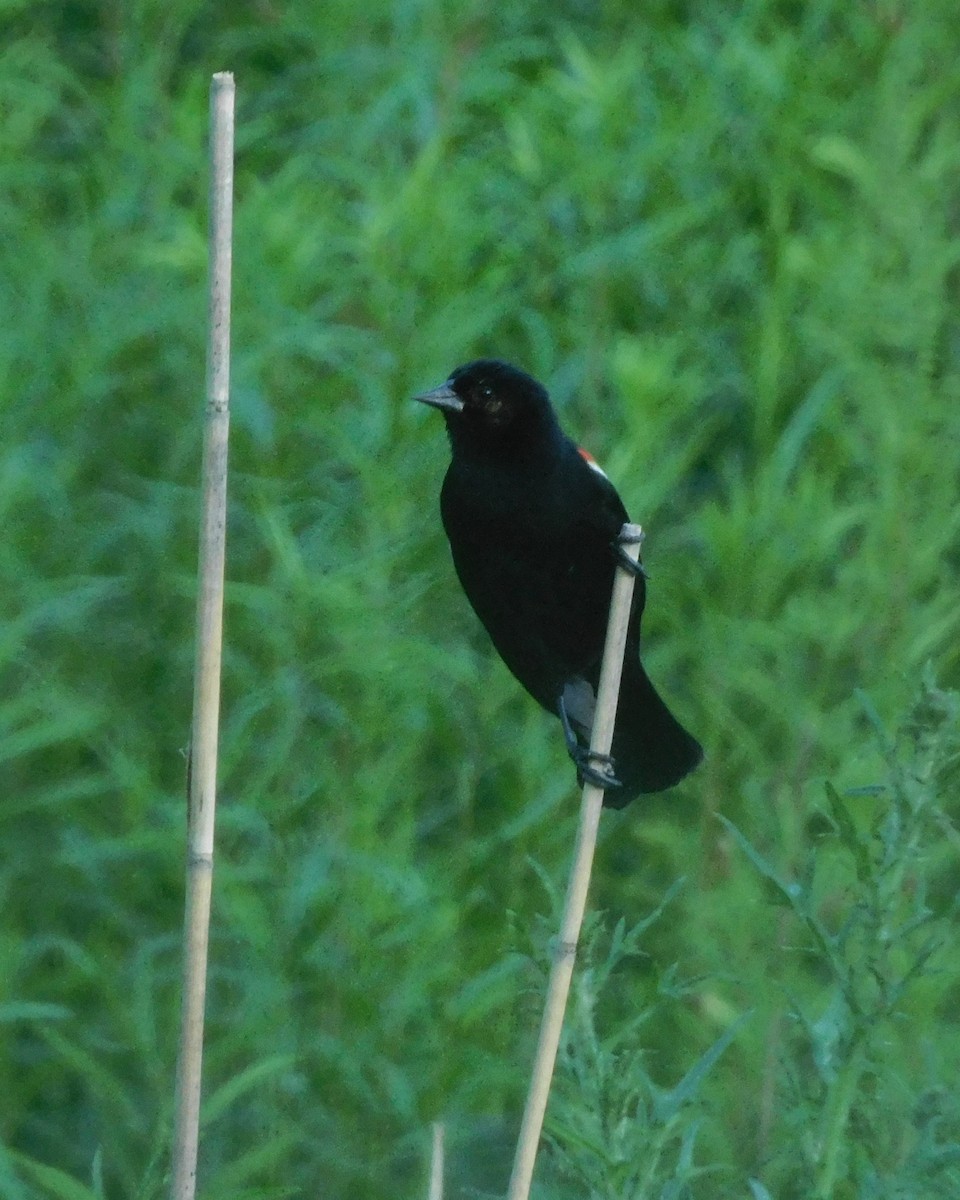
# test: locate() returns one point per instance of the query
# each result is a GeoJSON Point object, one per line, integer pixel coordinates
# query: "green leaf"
{"type": "Point", "coordinates": [669, 1103]}
{"type": "Point", "coordinates": [55, 1183]}
{"type": "Point", "coordinates": [246, 1081]}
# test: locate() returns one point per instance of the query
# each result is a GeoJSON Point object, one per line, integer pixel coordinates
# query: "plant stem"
{"type": "Point", "coordinates": [839, 1103]}
{"type": "Point", "coordinates": [206, 695]}
{"type": "Point", "coordinates": [436, 1162]}
{"type": "Point", "coordinates": [591, 805]}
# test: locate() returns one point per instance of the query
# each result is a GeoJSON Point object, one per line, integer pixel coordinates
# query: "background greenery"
{"type": "Point", "coordinates": [727, 236]}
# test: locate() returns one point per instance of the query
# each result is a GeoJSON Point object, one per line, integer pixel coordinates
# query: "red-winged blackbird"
{"type": "Point", "coordinates": [532, 523]}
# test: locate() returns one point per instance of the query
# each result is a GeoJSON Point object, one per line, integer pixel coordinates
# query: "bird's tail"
{"type": "Point", "coordinates": [651, 749]}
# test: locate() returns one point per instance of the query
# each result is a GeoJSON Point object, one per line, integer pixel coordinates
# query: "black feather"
{"type": "Point", "coordinates": [532, 527]}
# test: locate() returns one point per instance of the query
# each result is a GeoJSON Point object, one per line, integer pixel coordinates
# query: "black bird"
{"type": "Point", "coordinates": [532, 523]}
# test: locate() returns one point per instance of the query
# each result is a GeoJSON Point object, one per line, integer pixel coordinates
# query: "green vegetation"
{"type": "Point", "coordinates": [727, 237]}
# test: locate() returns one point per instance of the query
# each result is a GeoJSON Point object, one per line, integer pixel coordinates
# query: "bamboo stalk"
{"type": "Point", "coordinates": [591, 804]}
{"type": "Point", "coordinates": [206, 694]}
{"type": "Point", "coordinates": [436, 1162]}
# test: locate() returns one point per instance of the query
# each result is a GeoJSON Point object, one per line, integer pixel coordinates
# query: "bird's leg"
{"type": "Point", "coordinates": [591, 767]}
{"type": "Point", "coordinates": [634, 566]}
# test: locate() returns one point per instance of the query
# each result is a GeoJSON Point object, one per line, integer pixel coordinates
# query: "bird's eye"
{"type": "Point", "coordinates": [488, 402]}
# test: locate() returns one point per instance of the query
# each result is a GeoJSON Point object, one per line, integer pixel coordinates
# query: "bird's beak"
{"type": "Point", "coordinates": [442, 397]}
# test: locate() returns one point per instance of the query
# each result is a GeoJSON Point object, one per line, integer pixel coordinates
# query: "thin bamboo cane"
{"type": "Point", "coordinates": [206, 695]}
{"type": "Point", "coordinates": [436, 1162]}
{"type": "Point", "coordinates": [591, 804]}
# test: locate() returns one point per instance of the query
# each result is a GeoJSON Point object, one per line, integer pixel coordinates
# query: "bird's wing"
{"type": "Point", "coordinates": [539, 574]}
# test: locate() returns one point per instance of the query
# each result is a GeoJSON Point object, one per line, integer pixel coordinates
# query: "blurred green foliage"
{"type": "Point", "coordinates": [727, 237]}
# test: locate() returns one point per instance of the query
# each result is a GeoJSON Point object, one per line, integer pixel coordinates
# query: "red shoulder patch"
{"type": "Point", "coordinates": [591, 461]}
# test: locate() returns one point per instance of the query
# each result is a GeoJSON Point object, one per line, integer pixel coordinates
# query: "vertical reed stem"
{"type": "Point", "coordinates": [591, 804]}
{"type": "Point", "coordinates": [206, 695]}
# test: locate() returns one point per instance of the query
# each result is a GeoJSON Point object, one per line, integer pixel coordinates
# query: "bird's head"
{"type": "Point", "coordinates": [490, 404]}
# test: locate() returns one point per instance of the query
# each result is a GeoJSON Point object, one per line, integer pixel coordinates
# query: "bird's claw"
{"type": "Point", "coordinates": [595, 768]}
{"type": "Point", "coordinates": [632, 565]}
{"type": "Point", "coordinates": [592, 767]}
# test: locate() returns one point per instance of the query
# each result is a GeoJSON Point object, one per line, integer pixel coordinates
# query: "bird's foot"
{"type": "Point", "coordinates": [632, 565]}
{"type": "Point", "coordinates": [594, 768]}
{"type": "Point", "coordinates": [591, 767]}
